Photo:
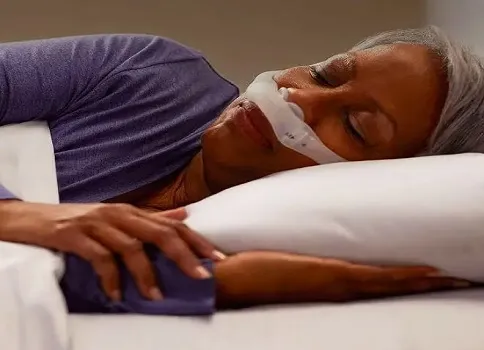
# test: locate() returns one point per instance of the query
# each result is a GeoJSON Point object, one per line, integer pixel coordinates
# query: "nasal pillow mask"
{"type": "Point", "coordinates": [287, 119]}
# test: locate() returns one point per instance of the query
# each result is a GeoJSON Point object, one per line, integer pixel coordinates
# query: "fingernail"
{"type": "Point", "coordinates": [116, 295]}
{"type": "Point", "coordinates": [462, 284]}
{"type": "Point", "coordinates": [219, 255]}
{"type": "Point", "coordinates": [155, 294]}
{"type": "Point", "coordinates": [203, 272]}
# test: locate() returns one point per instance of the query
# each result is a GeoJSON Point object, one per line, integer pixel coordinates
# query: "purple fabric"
{"type": "Point", "coordinates": [124, 111]}
{"type": "Point", "coordinates": [182, 295]}
{"type": "Point", "coordinates": [5, 194]}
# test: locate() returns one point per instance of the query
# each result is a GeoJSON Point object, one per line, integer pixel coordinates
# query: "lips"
{"type": "Point", "coordinates": [253, 123]}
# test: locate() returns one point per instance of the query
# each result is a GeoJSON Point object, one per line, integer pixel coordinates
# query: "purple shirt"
{"type": "Point", "coordinates": [124, 111]}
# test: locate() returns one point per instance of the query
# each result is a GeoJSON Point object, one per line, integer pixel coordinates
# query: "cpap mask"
{"type": "Point", "coordinates": [287, 119]}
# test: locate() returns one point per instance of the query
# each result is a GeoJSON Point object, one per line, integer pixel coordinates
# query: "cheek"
{"type": "Point", "coordinates": [332, 132]}
{"type": "Point", "coordinates": [289, 160]}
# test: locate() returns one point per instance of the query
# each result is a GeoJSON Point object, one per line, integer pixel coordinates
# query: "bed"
{"type": "Point", "coordinates": [444, 321]}
{"type": "Point", "coordinates": [35, 318]}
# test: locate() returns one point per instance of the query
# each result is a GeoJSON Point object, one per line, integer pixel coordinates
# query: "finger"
{"type": "Point", "coordinates": [202, 246]}
{"type": "Point", "coordinates": [376, 274]}
{"type": "Point", "coordinates": [419, 285]}
{"type": "Point", "coordinates": [177, 250]}
{"type": "Point", "coordinates": [103, 264]}
{"type": "Point", "coordinates": [372, 281]}
{"type": "Point", "coordinates": [436, 284]}
{"type": "Point", "coordinates": [195, 241]}
{"type": "Point", "coordinates": [134, 258]}
{"type": "Point", "coordinates": [409, 272]}
{"type": "Point", "coordinates": [381, 281]}
{"type": "Point", "coordinates": [176, 214]}
{"type": "Point", "coordinates": [167, 239]}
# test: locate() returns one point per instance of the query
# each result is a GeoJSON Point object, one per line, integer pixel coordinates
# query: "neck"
{"type": "Point", "coordinates": [188, 187]}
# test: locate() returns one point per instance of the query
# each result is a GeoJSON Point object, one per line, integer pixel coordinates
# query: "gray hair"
{"type": "Point", "coordinates": [461, 125]}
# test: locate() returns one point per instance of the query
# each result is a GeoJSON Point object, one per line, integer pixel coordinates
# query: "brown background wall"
{"type": "Point", "coordinates": [240, 38]}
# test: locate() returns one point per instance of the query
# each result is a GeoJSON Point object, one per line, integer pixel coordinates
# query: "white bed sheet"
{"type": "Point", "coordinates": [449, 321]}
{"type": "Point", "coordinates": [446, 321]}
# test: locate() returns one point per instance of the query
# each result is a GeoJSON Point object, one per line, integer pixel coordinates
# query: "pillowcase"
{"type": "Point", "coordinates": [34, 315]}
{"type": "Point", "coordinates": [28, 162]}
{"type": "Point", "coordinates": [419, 211]}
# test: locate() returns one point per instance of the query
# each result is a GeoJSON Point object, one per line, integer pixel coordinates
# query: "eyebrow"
{"type": "Point", "coordinates": [353, 65]}
{"type": "Point", "coordinates": [342, 67]}
{"type": "Point", "coordinates": [349, 62]}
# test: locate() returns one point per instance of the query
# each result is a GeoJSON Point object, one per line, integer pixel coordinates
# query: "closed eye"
{"type": "Point", "coordinates": [352, 129]}
{"type": "Point", "coordinates": [318, 77]}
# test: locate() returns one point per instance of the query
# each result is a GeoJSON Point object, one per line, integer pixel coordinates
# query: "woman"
{"type": "Point", "coordinates": [145, 121]}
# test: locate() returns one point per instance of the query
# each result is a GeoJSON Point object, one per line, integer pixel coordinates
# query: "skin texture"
{"type": "Point", "coordinates": [403, 79]}
{"type": "Point", "coordinates": [259, 278]}
{"type": "Point", "coordinates": [380, 103]}
{"type": "Point", "coordinates": [374, 104]}
{"type": "Point", "coordinates": [98, 232]}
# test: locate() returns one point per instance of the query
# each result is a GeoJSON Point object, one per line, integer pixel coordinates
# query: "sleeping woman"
{"type": "Point", "coordinates": [142, 126]}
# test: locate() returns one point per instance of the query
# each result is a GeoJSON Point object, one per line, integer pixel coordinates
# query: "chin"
{"type": "Point", "coordinates": [219, 177]}
{"type": "Point", "coordinates": [233, 156]}
{"type": "Point", "coordinates": [226, 167]}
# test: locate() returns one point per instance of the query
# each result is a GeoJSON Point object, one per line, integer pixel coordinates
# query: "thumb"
{"type": "Point", "coordinates": [176, 214]}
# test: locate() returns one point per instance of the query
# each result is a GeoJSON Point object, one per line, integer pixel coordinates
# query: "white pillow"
{"type": "Point", "coordinates": [33, 314]}
{"type": "Point", "coordinates": [427, 210]}
{"type": "Point", "coordinates": [28, 163]}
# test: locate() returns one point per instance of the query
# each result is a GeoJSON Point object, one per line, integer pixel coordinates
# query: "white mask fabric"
{"type": "Point", "coordinates": [287, 119]}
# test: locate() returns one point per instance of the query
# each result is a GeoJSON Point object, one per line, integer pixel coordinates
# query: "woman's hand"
{"type": "Point", "coordinates": [98, 232]}
{"type": "Point", "coordinates": [255, 278]}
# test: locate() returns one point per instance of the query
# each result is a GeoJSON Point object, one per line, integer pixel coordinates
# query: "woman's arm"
{"type": "Point", "coordinates": [106, 236]}
{"type": "Point", "coordinates": [43, 79]}
{"type": "Point", "coordinates": [46, 79]}
{"type": "Point", "coordinates": [257, 278]}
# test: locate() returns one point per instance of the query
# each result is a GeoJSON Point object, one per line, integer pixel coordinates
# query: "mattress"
{"type": "Point", "coordinates": [444, 321]}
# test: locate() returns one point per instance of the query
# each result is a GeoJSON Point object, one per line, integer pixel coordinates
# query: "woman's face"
{"type": "Point", "coordinates": [379, 103]}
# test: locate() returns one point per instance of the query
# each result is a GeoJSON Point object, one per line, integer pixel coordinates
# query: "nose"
{"type": "Point", "coordinates": [313, 103]}
{"type": "Point", "coordinates": [294, 107]}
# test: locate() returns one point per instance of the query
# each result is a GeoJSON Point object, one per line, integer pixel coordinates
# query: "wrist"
{"type": "Point", "coordinates": [7, 208]}
{"type": "Point", "coordinates": [20, 221]}
{"type": "Point", "coordinates": [7, 217]}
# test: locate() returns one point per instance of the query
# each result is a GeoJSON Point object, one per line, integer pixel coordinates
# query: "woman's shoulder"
{"type": "Point", "coordinates": [113, 50]}
{"type": "Point", "coordinates": [147, 45]}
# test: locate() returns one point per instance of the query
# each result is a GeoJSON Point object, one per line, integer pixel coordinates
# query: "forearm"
{"type": "Point", "coordinates": [256, 278]}
{"type": "Point", "coordinates": [249, 280]}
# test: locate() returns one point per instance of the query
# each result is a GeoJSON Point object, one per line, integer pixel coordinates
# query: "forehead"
{"type": "Point", "coordinates": [402, 60]}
